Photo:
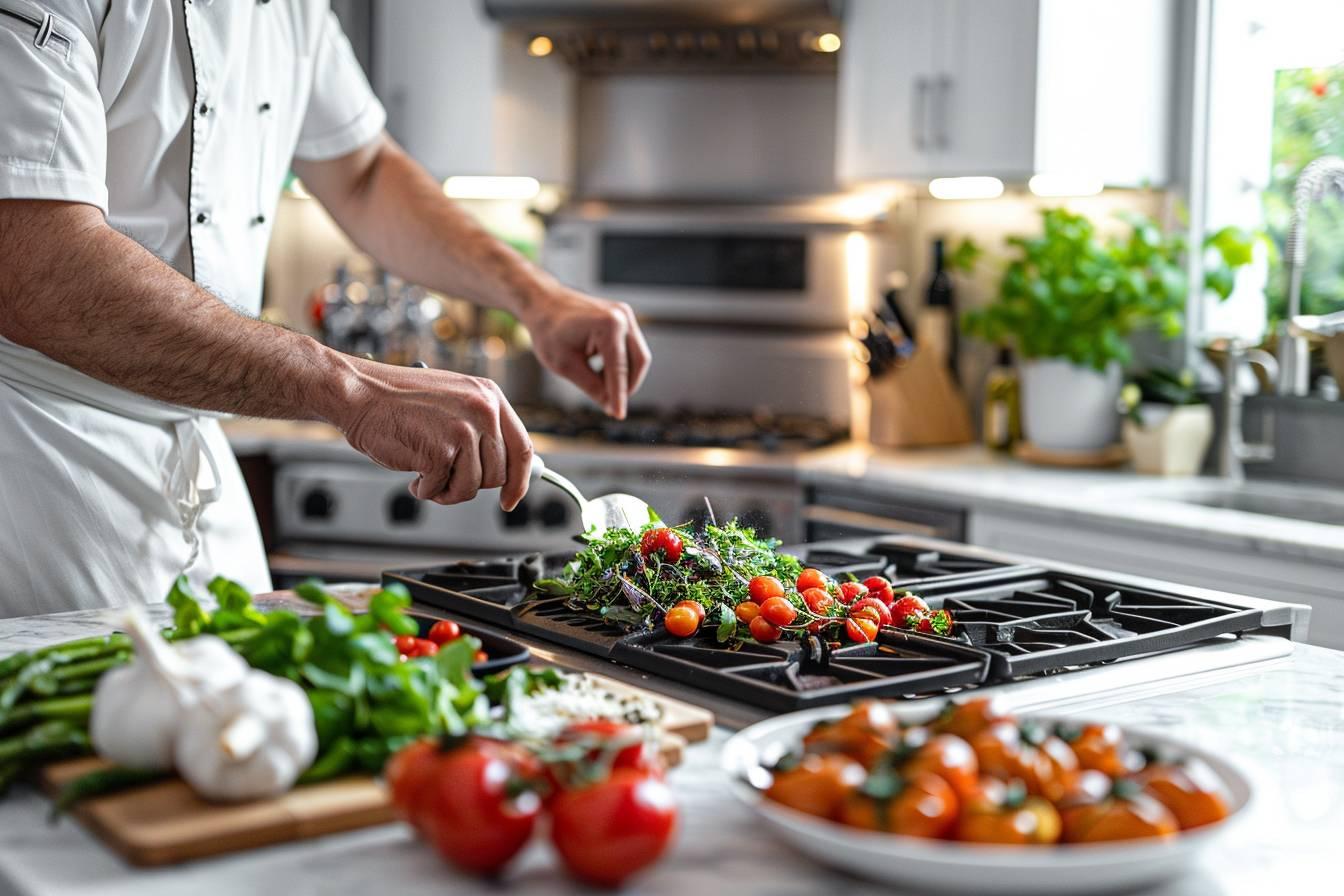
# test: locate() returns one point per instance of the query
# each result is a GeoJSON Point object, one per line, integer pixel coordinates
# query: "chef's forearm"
{"type": "Point", "coordinates": [393, 209]}
{"type": "Point", "coordinates": [78, 291]}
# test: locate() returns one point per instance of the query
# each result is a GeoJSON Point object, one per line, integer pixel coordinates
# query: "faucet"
{"type": "Point", "coordinates": [1294, 358]}
{"type": "Point", "coordinates": [1233, 449]}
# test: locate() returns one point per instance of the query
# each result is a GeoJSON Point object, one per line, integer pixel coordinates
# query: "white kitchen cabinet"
{"type": "Point", "coordinates": [1160, 555]}
{"type": "Point", "coordinates": [464, 97]}
{"type": "Point", "coordinates": [1009, 88]}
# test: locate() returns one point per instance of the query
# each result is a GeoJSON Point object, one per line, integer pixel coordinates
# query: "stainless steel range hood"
{"type": "Point", "coordinates": [550, 13]}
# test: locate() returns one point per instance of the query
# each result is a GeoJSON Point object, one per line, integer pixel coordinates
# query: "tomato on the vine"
{"type": "Point", "coordinates": [661, 541]}
{"type": "Point", "coordinates": [603, 735]}
{"type": "Point", "coordinates": [764, 631]}
{"type": "Point", "coordinates": [608, 831]}
{"type": "Point", "coordinates": [861, 629]}
{"type": "Point", "coordinates": [695, 607]}
{"type": "Point", "coordinates": [778, 611]}
{"type": "Point", "coordinates": [880, 588]}
{"type": "Point", "coordinates": [681, 621]}
{"type": "Point", "coordinates": [443, 631]}
{"type": "Point", "coordinates": [762, 588]}
{"type": "Point", "coordinates": [818, 600]}
{"type": "Point", "coordinates": [405, 644]}
{"type": "Point", "coordinates": [876, 606]}
{"type": "Point", "coordinates": [747, 611]}
{"type": "Point", "coordinates": [850, 592]}
{"type": "Point", "coordinates": [908, 605]}
{"type": "Point", "coordinates": [812, 578]}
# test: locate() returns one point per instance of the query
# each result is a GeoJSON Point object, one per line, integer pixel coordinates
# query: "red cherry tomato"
{"type": "Point", "coordinates": [872, 603]}
{"type": "Point", "coordinates": [818, 600]}
{"type": "Point", "coordinates": [405, 644]}
{"type": "Point", "coordinates": [409, 774]}
{"type": "Point", "coordinates": [681, 621]}
{"type": "Point", "coordinates": [443, 631]}
{"type": "Point", "coordinates": [747, 611]}
{"type": "Point", "coordinates": [778, 611]}
{"type": "Point", "coordinates": [908, 605]}
{"type": "Point", "coordinates": [661, 540]}
{"type": "Point", "coordinates": [609, 831]}
{"type": "Point", "coordinates": [479, 657]}
{"type": "Point", "coordinates": [697, 608]}
{"type": "Point", "coordinates": [879, 588]}
{"type": "Point", "coordinates": [812, 578]}
{"type": "Point", "coordinates": [861, 629]}
{"type": "Point", "coordinates": [424, 647]}
{"type": "Point", "coordinates": [851, 591]}
{"type": "Point", "coordinates": [762, 588]}
{"type": "Point", "coordinates": [602, 734]}
{"type": "Point", "coordinates": [764, 631]}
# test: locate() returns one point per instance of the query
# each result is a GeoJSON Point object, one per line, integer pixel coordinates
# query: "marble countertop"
{"type": "Point", "coordinates": [1283, 726]}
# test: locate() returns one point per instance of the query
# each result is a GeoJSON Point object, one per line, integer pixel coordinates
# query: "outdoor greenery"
{"type": "Point", "coordinates": [1308, 123]}
{"type": "Point", "coordinates": [1072, 293]}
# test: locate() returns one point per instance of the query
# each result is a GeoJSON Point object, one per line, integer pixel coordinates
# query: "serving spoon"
{"type": "Point", "coordinates": [617, 511]}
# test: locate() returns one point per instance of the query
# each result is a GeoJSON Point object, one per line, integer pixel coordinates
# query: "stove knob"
{"type": "Point", "coordinates": [319, 504]}
{"type": "Point", "coordinates": [403, 509]}
{"type": "Point", "coordinates": [554, 514]}
{"type": "Point", "coordinates": [518, 517]}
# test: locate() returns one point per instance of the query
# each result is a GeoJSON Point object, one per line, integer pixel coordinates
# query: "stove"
{"type": "Point", "coordinates": [1016, 621]}
{"type": "Point", "coordinates": [768, 433]}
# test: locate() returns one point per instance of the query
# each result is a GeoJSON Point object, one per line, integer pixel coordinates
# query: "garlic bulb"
{"type": "Point", "coordinates": [250, 741]}
{"type": "Point", "coordinates": [137, 707]}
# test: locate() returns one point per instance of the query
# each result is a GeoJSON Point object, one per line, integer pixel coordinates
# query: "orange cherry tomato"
{"type": "Point", "coordinates": [868, 732]}
{"type": "Point", "coordinates": [996, 812]}
{"type": "Point", "coordinates": [1103, 748]}
{"type": "Point", "coordinates": [1190, 791]}
{"type": "Point", "coordinates": [968, 719]}
{"type": "Point", "coordinates": [1002, 753]}
{"type": "Point", "coordinates": [818, 600]}
{"type": "Point", "coordinates": [920, 805]}
{"type": "Point", "coordinates": [947, 756]}
{"type": "Point", "coordinates": [681, 622]}
{"type": "Point", "coordinates": [778, 611]}
{"type": "Point", "coordinates": [695, 607]}
{"type": "Point", "coordinates": [818, 785]}
{"type": "Point", "coordinates": [764, 631]}
{"type": "Point", "coordinates": [480, 656]}
{"type": "Point", "coordinates": [1127, 813]}
{"type": "Point", "coordinates": [861, 629]}
{"type": "Point", "coordinates": [747, 611]}
{"type": "Point", "coordinates": [812, 578]}
{"type": "Point", "coordinates": [762, 588]}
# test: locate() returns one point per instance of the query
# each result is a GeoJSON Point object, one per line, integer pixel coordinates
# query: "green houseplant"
{"type": "Point", "coordinates": [1070, 298]}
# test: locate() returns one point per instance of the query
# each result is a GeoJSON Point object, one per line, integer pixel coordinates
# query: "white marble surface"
{"type": "Point", "coordinates": [1284, 727]}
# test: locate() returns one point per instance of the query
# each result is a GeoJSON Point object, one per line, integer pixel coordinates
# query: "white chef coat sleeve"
{"type": "Point", "coordinates": [343, 114]}
{"type": "Point", "coordinates": [53, 129]}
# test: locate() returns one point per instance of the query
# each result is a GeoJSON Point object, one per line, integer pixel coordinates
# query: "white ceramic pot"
{"type": "Point", "coordinates": [1173, 443]}
{"type": "Point", "coordinates": [1069, 408]}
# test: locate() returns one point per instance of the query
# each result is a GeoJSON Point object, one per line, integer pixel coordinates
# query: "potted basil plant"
{"type": "Point", "coordinates": [1168, 426]}
{"type": "Point", "coordinates": [1070, 298]}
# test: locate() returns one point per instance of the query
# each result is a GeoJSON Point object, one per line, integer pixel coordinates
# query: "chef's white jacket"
{"type": "Point", "coordinates": [178, 119]}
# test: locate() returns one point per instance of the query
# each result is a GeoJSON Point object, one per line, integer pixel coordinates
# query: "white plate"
{"type": "Point", "coordinates": [984, 869]}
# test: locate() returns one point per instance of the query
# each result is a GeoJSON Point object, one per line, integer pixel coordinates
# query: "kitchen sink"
{"type": "Point", "coordinates": [1294, 502]}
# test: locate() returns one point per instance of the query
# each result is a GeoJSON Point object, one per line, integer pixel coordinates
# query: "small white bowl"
{"type": "Point", "coordinates": [982, 869]}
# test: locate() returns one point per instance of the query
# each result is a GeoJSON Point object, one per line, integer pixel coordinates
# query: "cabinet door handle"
{"type": "Point", "coordinates": [943, 101]}
{"type": "Point", "coordinates": [919, 111]}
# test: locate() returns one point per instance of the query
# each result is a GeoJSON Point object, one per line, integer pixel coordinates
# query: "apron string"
{"type": "Point", "coordinates": [192, 484]}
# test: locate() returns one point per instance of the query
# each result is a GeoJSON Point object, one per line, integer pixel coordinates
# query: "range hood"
{"type": "Point", "coordinates": [600, 37]}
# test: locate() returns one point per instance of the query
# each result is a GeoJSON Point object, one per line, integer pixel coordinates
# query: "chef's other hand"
{"type": "Point", "coordinates": [457, 433]}
{"type": "Point", "coordinates": [569, 328]}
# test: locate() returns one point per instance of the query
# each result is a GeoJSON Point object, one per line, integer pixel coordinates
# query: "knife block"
{"type": "Point", "coordinates": [918, 404]}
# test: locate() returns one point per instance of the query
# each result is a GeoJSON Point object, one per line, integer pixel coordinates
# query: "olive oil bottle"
{"type": "Point", "coordinates": [1001, 425]}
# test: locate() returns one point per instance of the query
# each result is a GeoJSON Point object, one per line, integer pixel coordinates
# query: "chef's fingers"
{"type": "Point", "coordinates": [494, 461]}
{"type": "Point", "coordinates": [465, 480]}
{"type": "Point", "coordinates": [433, 478]}
{"type": "Point", "coordinates": [638, 350]}
{"type": "Point", "coordinates": [575, 369]}
{"type": "Point", "coordinates": [615, 364]}
{"type": "Point", "coordinates": [519, 448]}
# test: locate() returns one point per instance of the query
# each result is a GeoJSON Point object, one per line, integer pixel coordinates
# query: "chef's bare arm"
{"type": "Point", "coordinates": [78, 291]}
{"type": "Point", "coordinates": [397, 213]}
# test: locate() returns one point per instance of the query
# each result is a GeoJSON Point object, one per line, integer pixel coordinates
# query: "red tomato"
{"type": "Point", "coordinates": [764, 631]}
{"type": "Point", "coordinates": [851, 591]}
{"type": "Point", "coordinates": [908, 605]}
{"type": "Point", "coordinates": [762, 588]}
{"type": "Point", "coordinates": [681, 621]}
{"type": "Point", "coordinates": [609, 831]}
{"type": "Point", "coordinates": [872, 603]}
{"type": "Point", "coordinates": [697, 608]}
{"type": "Point", "coordinates": [879, 588]}
{"type": "Point", "coordinates": [778, 611]}
{"type": "Point", "coordinates": [471, 806]}
{"type": "Point", "coordinates": [424, 647]}
{"type": "Point", "coordinates": [604, 734]}
{"type": "Point", "coordinates": [661, 540]}
{"type": "Point", "coordinates": [937, 622]}
{"type": "Point", "coordinates": [818, 600]}
{"type": "Point", "coordinates": [405, 644]}
{"type": "Point", "coordinates": [747, 611]}
{"type": "Point", "coordinates": [812, 578]}
{"type": "Point", "coordinates": [861, 630]}
{"type": "Point", "coordinates": [409, 774]}
{"type": "Point", "coordinates": [443, 631]}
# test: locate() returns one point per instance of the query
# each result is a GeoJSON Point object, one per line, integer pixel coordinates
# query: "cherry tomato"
{"type": "Point", "coordinates": [1190, 791]}
{"type": "Point", "coordinates": [861, 629]}
{"type": "Point", "coordinates": [818, 785]}
{"type": "Point", "coordinates": [879, 588]}
{"type": "Point", "coordinates": [607, 832]}
{"type": "Point", "coordinates": [421, 647]}
{"type": "Point", "coordinates": [950, 758]}
{"type": "Point", "coordinates": [405, 644]}
{"type": "Point", "coordinates": [908, 605]}
{"type": "Point", "coordinates": [681, 621]}
{"type": "Point", "coordinates": [477, 808]}
{"type": "Point", "coordinates": [661, 540]}
{"type": "Point", "coordinates": [764, 631]}
{"type": "Point", "coordinates": [747, 611]}
{"type": "Point", "coordinates": [409, 774]}
{"type": "Point", "coordinates": [937, 622]}
{"type": "Point", "coordinates": [1126, 814]}
{"type": "Point", "coordinates": [970, 718]}
{"type": "Point", "coordinates": [812, 578]}
{"type": "Point", "coordinates": [1057, 765]}
{"type": "Point", "coordinates": [999, 813]}
{"type": "Point", "coordinates": [762, 588]}
{"type": "Point", "coordinates": [694, 606]}
{"type": "Point", "coordinates": [1004, 754]}
{"type": "Point", "coordinates": [443, 631]}
{"type": "Point", "coordinates": [922, 805]}
{"type": "Point", "coordinates": [865, 735]}
{"type": "Point", "coordinates": [851, 591]}
{"type": "Point", "coordinates": [480, 656]}
{"type": "Point", "coordinates": [778, 611]}
{"type": "Point", "coordinates": [1103, 748]}
{"type": "Point", "coordinates": [604, 735]}
{"type": "Point", "coordinates": [872, 603]}
{"type": "Point", "coordinates": [818, 600]}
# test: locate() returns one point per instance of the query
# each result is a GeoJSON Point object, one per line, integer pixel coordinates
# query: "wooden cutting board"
{"type": "Point", "coordinates": [167, 823]}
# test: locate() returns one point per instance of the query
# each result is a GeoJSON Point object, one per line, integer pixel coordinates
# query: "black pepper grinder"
{"type": "Point", "coordinates": [940, 296]}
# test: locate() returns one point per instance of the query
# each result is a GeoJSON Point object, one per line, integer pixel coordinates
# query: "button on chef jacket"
{"type": "Point", "coordinates": [179, 120]}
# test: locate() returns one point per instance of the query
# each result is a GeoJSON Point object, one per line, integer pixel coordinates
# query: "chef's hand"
{"type": "Point", "coordinates": [569, 328]}
{"type": "Point", "coordinates": [456, 432]}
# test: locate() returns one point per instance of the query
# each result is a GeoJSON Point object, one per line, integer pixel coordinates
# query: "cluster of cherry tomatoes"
{"type": "Point", "coordinates": [981, 776]}
{"type": "Point", "coordinates": [817, 604]}
{"type": "Point", "coordinates": [445, 631]}
{"type": "Point", "coordinates": [478, 800]}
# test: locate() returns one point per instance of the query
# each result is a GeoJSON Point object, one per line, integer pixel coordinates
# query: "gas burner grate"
{"type": "Point", "coordinates": [1012, 621]}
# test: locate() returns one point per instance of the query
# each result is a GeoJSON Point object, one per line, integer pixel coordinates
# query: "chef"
{"type": "Point", "coordinates": [143, 145]}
